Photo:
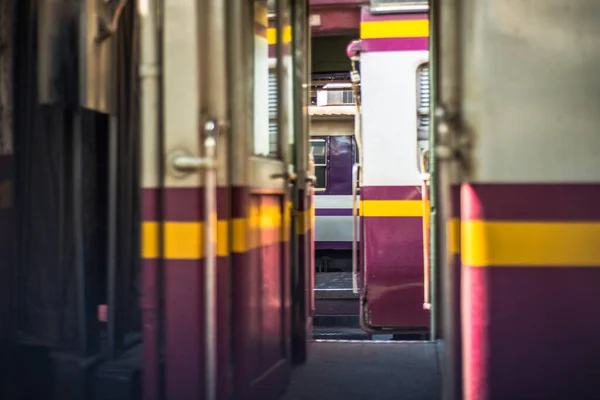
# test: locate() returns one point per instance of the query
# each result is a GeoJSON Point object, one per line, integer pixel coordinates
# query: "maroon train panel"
{"type": "Point", "coordinates": [531, 331]}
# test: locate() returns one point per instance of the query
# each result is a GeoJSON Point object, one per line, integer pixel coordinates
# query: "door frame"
{"type": "Point", "coordinates": [254, 179]}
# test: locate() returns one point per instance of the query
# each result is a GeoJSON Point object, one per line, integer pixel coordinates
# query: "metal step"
{"type": "Point", "coordinates": [338, 333]}
{"type": "Point", "coordinates": [337, 321]}
{"type": "Point", "coordinates": [334, 285]}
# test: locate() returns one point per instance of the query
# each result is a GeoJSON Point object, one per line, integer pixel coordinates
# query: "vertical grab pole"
{"type": "Point", "coordinates": [189, 163]}
{"type": "Point", "coordinates": [355, 170]}
{"type": "Point", "coordinates": [426, 232]}
{"type": "Point", "coordinates": [210, 268]}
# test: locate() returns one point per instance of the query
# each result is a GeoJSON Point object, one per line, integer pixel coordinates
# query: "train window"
{"type": "Point", "coordinates": [268, 95]}
{"type": "Point", "coordinates": [423, 111]}
{"type": "Point", "coordinates": [355, 147]}
{"type": "Point", "coordinates": [318, 149]}
{"type": "Point", "coordinates": [262, 90]}
{"type": "Point", "coordinates": [273, 125]}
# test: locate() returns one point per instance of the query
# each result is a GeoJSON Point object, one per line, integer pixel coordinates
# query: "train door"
{"type": "Point", "coordinates": [393, 202]}
{"type": "Point", "coordinates": [303, 252]}
{"type": "Point", "coordinates": [185, 201]}
{"type": "Point", "coordinates": [260, 197]}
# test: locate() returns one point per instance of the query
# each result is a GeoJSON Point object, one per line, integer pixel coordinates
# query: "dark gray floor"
{"type": "Point", "coordinates": [333, 280]}
{"type": "Point", "coordinates": [367, 370]}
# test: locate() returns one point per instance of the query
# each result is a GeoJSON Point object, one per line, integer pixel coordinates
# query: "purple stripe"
{"type": "Point", "coordinates": [393, 251]}
{"type": "Point", "coordinates": [554, 309]}
{"type": "Point", "coordinates": [455, 193]}
{"type": "Point", "coordinates": [180, 204]}
{"type": "Point", "coordinates": [273, 50]}
{"type": "Point", "coordinates": [333, 212]}
{"type": "Point", "coordinates": [260, 29]}
{"type": "Point", "coordinates": [333, 245]}
{"type": "Point", "coordinates": [339, 171]}
{"type": "Point", "coordinates": [528, 202]}
{"type": "Point", "coordinates": [395, 44]}
{"type": "Point", "coordinates": [391, 193]}
{"type": "Point", "coordinates": [366, 16]}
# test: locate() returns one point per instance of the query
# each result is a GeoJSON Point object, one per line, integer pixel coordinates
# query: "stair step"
{"type": "Point", "coordinates": [337, 321]}
{"type": "Point", "coordinates": [340, 334]}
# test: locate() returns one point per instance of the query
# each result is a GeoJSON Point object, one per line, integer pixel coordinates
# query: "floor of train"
{"type": "Point", "coordinates": [357, 370]}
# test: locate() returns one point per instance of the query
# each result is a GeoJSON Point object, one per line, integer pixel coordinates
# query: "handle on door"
{"type": "Point", "coordinates": [288, 176]}
{"type": "Point", "coordinates": [355, 172]}
{"type": "Point", "coordinates": [311, 180]}
{"type": "Point", "coordinates": [208, 164]}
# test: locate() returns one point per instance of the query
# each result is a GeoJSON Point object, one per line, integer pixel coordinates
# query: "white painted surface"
{"type": "Point", "coordinates": [261, 95]}
{"type": "Point", "coordinates": [329, 201]}
{"type": "Point", "coordinates": [333, 228]}
{"type": "Point", "coordinates": [389, 117]}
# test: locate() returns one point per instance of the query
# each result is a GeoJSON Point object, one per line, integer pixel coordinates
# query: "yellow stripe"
{"type": "Point", "coordinates": [184, 240]}
{"type": "Point", "coordinates": [391, 208]}
{"type": "Point", "coordinates": [272, 35]}
{"type": "Point", "coordinates": [150, 240]}
{"type": "Point", "coordinates": [246, 231]}
{"type": "Point", "coordinates": [453, 236]}
{"type": "Point", "coordinates": [394, 29]}
{"type": "Point", "coordinates": [530, 244]}
{"type": "Point", "coordinates": [239, 231]}
{"type": "Point", "coordinates": [261, 14]}
{"type": "Point", "coordinates": [304, 221]}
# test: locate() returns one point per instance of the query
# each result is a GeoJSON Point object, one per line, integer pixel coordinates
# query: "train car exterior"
{"type": "Point", "coordinates": [236, 231]}
{"type": "Point", "coordinates": [334, 149]}
{"type": "Point", "coordinates": [394, 83]}
{"type": "Point", "coordinates": [519, 130]}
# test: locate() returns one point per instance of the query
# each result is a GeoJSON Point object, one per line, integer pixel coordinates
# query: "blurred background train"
{"type": "Point", "coordinates": [370, 151]}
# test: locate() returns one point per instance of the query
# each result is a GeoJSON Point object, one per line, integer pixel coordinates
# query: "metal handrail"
{"type": "Point", "coordinates": [355, 172]}
{"type": "Point", "coordinates": [425, 176]}
{"type": "Point", "coordinates": [209, 164]}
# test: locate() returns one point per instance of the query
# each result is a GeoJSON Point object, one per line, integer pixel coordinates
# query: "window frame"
{"type": "Point", "coordinates": [325, 141]}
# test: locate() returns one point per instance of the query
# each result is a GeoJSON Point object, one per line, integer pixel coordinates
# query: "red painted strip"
{"type": "Point", "coordinates": [149, 306]}
{"type": "Point", "coordinates": [531, 202]}
{"type": "Point", "coordinates": [528, 333]}
{"type": "Point", "coordinates": [390, 193]}
{"type": "Point", "coordinates": [393, 253]}
{"type": "Point", "coordinates": [184, 326]}
{"type": "Point", "coordinates": [181, 204]}
{"type": "Point", "coordinates": [330, 245]}
{"type": "Point", "coordinates": [455, 193]}
{"type": "Point", "coordinates": [150, 200]}
{"type": "Point", "coordinates": [286, 48]}
{"type": "Point", "coordinates": [260, 30]}
{"type": "Point", "coordinates": [395, 44]}
{"type": "Point", "coordinates": [333, 21]}
{"type": "Point", "coordinates": [366, 16]}
{"type": "Point", "coordinates": [333, 212]}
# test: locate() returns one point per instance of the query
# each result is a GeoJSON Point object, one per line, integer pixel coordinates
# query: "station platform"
{"type": "Point", "coordinates": [373, 370]}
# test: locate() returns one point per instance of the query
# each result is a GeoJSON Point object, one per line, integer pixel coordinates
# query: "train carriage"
{"type": "Point", "coordinates": [394, 135]}
{"type": "Point", "coordinates": [333, 146]}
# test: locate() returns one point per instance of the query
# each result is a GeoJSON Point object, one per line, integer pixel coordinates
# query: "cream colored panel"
{"type": "Point", "coordinates": [531, 90]}
{"type": "Point", "coordinates": [332, 127]}
{"type": "Point", "coordinates": [181, 84]}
